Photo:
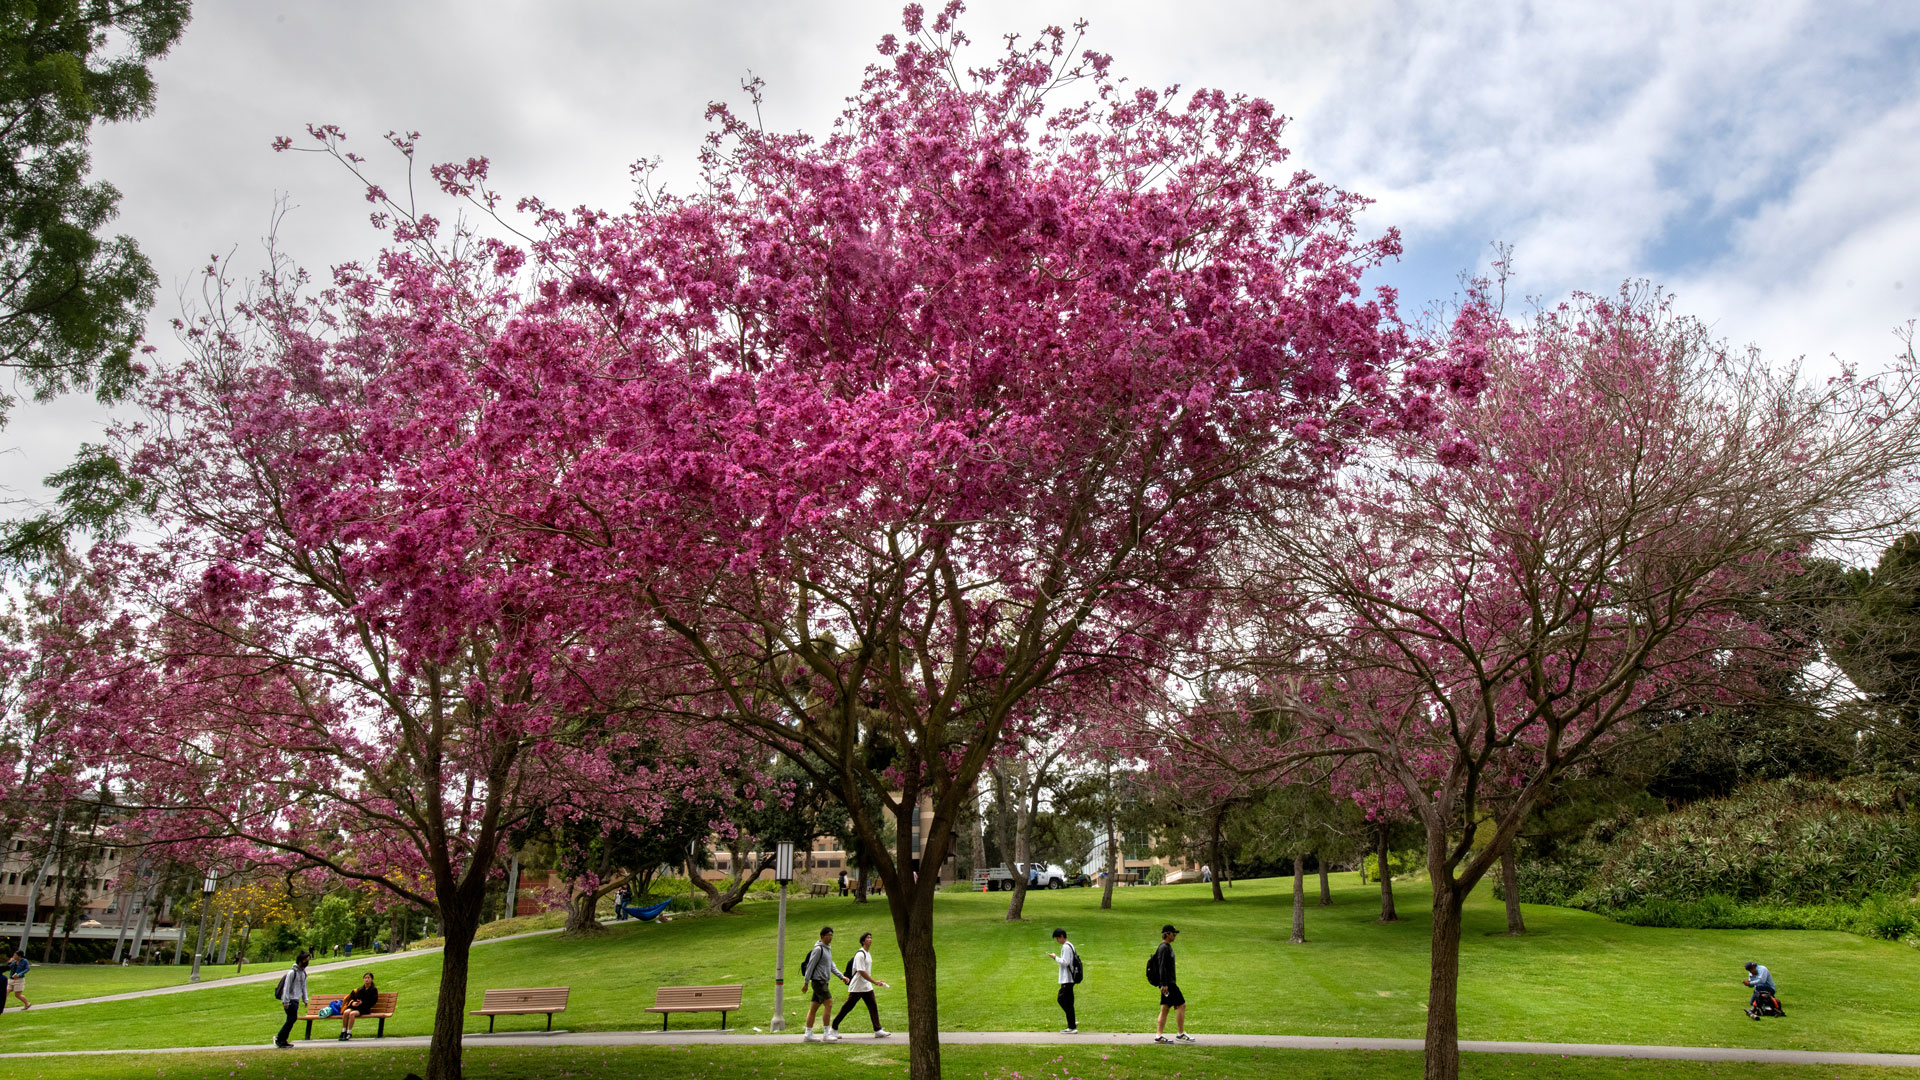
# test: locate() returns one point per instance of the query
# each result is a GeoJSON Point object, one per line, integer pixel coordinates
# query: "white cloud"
{"type": "Point", "coordinates": [1756, 157]}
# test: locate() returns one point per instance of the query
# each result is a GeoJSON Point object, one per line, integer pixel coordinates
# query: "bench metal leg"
{"type": "Point", "coordinates": [309, 1030]}
{"type": "Point", "coordinates": [723, 1020]}
{"type": "Point", "coordinates": [663, 1020]}
{"type": "Point", "coordinates": [382, 1033]}
{"type": "Point", "coordinates": [549, 1021]}
{"type": "Point", "coordinates": [489, 1025]}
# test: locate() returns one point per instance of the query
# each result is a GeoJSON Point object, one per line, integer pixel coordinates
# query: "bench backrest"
{"type": "Point", "coordinates": [382, 1006]}
{"type": "Point", "coordinates": [536, 999]}
{"type": "Point", "coordinates": [698, 997]}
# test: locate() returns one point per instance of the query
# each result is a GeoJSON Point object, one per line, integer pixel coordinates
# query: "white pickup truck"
{"type": "Point", "coordinates": [1000, 879]}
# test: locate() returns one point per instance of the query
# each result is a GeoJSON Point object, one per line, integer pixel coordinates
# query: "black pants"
{"type": "Point", "coordinates": [873, 1008]}
{"type": "Point", "coordinates": [1066, 1003]}
{"type": "Point", "coordinates": [286, 1029]}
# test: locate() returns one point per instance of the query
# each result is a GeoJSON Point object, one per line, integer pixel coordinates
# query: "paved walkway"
{"type": "Point", "coordinates": [269, 974]}
{"type": "Point", "coordinates": [1006, 1038]}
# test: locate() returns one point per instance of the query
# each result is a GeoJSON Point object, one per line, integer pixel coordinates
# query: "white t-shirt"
{"type": "Point", "coordinates": [862, 973]}
{"type": "Point", "coordinates": [1066, 963]}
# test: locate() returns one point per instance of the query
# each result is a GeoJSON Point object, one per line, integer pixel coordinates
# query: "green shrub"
{"type": "Point", "coordinates": [1793, 842]}
{"type": "Point", "coordinates": [958, 887]}
{"type": "Point", "coordinates": [1886, 918]}
{"type": "Point", "coordinates": [1397, 861]}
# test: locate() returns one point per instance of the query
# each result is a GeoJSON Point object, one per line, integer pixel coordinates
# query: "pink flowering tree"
{"type": "Point", "coordinates": [1576, 536]}
{"type": "Point", "coordinates": [341, 648]}
{"type": "Point", "coordinates": [892, 430]}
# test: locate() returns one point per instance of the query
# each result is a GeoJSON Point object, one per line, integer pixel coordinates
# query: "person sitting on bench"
{"type": "Point", "coordinates": [364, 999]}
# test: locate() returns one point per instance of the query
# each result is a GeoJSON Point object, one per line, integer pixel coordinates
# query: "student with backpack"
{"type": "Point", "coordinates": [1161, 973]}
{"type": "Point", "coordinates": [860, 984]}
{"type": "Point", "coordinates": [291, 993]}
{"type": "Point", "coordinates": [816, 969]}
{"type": "Point", "coordinates": [1070, 973]}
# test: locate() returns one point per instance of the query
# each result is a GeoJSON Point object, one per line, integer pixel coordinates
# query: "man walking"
{"type": "Point", "coordinates": [816, 970]}
{"type": "Point", "coordinates": [860, 988]}
{"type": "Point", "coordinates": [1171, 999]}
{"type": "Point", "coordinates": [293, 997]}
{"type": "Point", "coordinates": [1069, 960]}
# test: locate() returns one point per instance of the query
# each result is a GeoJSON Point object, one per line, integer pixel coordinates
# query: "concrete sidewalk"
{"type": "Point", "coordinates": [266, 974]}
{"type": "Point", "coordinates": [1033, 1038]}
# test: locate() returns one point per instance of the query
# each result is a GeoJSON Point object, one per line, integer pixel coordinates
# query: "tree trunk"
{"type": "Point", "coordinates": [1113, 848]}
{"type": "Point", "coordinates": [1022, 848]}
{"type": "Point", "coordinates": [226, 937]}
{"type": "Point", "coordinates": [977, 833]}
{"type": "Point", "coordinates": [1443, 986]}
{"type": "Point", "coordinates": [1387, 914]}
{"type": "Point", "coordinates": [1510, 885]}
{"type": "Point", "coordinates": [1326, 892]}
{"type": "Point", "coordinates": [583, 909]}
{"type": "Point", "coordinates": [459, 921]}
{"type": "Point", "coordinates": [1213, 853]}
{"type": "Point", "coordinates": [246, 935]}
{"type": "Point", "coordinates": [860, 886]}
{"type": "Point", "coordinates": [1299, 900]}
{"type": "Point", "coordinates": [913, 922]}
{"type": "Point", "coordinates": [126, 915]}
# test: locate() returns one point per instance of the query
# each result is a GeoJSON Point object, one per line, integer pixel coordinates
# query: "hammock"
{"type": "Point", "coordinates": [648, 914]}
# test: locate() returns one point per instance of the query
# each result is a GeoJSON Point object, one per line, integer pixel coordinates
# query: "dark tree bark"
{"type": "Point", "coordinates": [1326, 892]}
{"type": "Point", "coordinates": [1510, 885]}
{"type": "Point", "coordinates": [1299, 900]}
{"type": "Point", "coordinates": [1443, 984]}
{"type": "Point", "coordinates": [1387, 913]}
{"type": "Point", "coordinates": [1113, 847]}
{"type": "Point", "coordinates": [1215, 861]}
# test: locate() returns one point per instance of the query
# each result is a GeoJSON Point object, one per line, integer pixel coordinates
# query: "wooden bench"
{"type": "Point", "coordinates": [382, 1009]}
{"type": "Point", "coordinates": [676, 999]}
{"type": "Point", "coordinates": [546, 999]}
{"type": "Point", "coordinates": [819, 888]}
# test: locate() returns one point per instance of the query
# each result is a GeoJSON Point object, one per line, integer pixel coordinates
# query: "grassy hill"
{"type": "Point", "coordinates": [1576, 977]}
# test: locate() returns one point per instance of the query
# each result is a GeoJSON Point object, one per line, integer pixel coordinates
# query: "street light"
{"type": "Point", "coordinates": [199, 940]}
{"type": "Point", "coordinates": [783, 873]}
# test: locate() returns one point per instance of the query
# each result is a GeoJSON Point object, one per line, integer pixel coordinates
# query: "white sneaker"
{"type": "Point", "coordinates": [833, 1035]}
{"type": "Point", "coordinates": [881, 1033]}
{"type": "Point", "coordinates": [809, 1036]}
{"type": "Point", "coordinates": [1069, 1031]}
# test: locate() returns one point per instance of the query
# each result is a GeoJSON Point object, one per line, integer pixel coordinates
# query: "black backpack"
{"type": "Point", "coordinates": [848, 972]}
{"type": "Point", "coordinates": [1153, 968]}
{"type": "Point", "coordinates": [1078, 971]}
{"type": "Point", "coordinates": [279, 987]}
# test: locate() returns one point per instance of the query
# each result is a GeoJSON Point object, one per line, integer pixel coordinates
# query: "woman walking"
{"type": "Point", "coordinates": [860, 988]}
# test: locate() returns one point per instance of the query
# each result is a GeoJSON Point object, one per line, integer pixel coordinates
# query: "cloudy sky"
{"type": "Point", "coordinates": [1757, 159]}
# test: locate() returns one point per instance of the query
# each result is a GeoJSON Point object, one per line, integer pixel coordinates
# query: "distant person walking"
{"type": "Point", "coordinates": [860, 988]}
{"type": "Point", "coordinates": [293, 996]}
{"type": "Point", "coordinates": [17, 970]}
{"type": "Point", "coordinates": [620, 899]}
{"type": "Point", "coordinates": [1171, 999]}
{"type": "Point", "coordinates": [843, 883]}
{"type": "Point", "coordinates": [1206, 873]}
{"type": "Point", "coordinates": [1068, 958]}
{"type": "Point", "coordinates": [817, 970]}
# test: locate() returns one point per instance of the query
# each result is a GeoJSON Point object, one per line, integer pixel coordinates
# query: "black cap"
{"type": "Point", "coordinates": [1168, 929]}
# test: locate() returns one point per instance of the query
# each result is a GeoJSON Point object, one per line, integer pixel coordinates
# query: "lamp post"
{"type": "Point", "coordinates": [199, 940]}
{"type": "Point", "coordinates": [783, 873]}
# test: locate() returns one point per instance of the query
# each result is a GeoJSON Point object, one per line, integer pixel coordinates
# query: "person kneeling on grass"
{"type": "Point", "coordinates": [860, 988]}
{"type": "Point", "coordinates": [363, 1000]}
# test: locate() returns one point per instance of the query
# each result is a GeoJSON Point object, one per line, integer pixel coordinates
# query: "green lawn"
{"type": "Point", "coordinates": [1574, 978]}
{"type": "Point", "coordinates": [64, 982]}
{"type": "Point", "coordinates": [863, 1060]}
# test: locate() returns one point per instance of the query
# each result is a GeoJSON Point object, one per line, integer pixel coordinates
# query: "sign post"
{"type": "Point", "coordinates": [783, 873]}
